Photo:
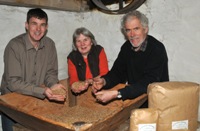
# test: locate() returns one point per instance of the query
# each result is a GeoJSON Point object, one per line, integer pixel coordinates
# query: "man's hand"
{"type": "Point", "coordinates": [105, 96]}
{"type": "Point", "coordinates": [98, 83]}
{"type": "Point", "coordinates": [56, 97]}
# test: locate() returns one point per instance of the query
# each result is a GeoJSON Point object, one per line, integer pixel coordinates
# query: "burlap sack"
{"type": "Point", "coordinates": [143, 119]}
{"type": "Point", "coordinates": [177, 105]}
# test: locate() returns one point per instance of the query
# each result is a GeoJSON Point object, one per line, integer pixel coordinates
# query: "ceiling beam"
{"type": "Point", "coordinates": [66, 5]}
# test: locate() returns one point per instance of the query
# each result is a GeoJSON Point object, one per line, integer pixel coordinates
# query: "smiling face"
{"type": "Point", "coordinates": [36, 29]}
{"type": "Point", "coordinates": [83, 44]}
{"type": "Point", "coordinates": [135, 32]}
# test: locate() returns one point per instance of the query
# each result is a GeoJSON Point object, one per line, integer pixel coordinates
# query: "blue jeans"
{"type": "Point", "coordinates": [7, 123]}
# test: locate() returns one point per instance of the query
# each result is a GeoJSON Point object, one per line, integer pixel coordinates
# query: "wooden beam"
{"type": "Point", "coordinates": [66, 5]}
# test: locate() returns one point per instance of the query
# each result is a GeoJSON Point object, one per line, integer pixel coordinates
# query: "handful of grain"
{"type": "Point", "coordinates": [60, 91]}
{"type": "Point", "coordinates": [78, 84]}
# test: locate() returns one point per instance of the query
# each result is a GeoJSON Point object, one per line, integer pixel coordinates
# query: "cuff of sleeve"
{"type": "Point", "coordinates": [106, 86]}
{"type": "Point", "coordinates": [39, 92]}
{"type": "Point", "coordinates": [123, 94]}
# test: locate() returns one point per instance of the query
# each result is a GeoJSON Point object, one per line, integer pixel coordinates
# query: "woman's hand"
{"type": "Point", "coordinates": [79, 86]}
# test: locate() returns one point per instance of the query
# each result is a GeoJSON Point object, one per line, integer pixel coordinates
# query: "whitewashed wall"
{"type": "Point", "coordinates": [61, 27]}
{"type": "Point", "coordinates": [174, 22]}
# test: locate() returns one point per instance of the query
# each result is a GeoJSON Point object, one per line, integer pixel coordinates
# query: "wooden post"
{"type": "Point", "coordinates": [71, 97]}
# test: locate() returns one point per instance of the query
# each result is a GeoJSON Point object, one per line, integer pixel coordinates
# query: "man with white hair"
{"type": "Point", "coordinates": [142, 60]}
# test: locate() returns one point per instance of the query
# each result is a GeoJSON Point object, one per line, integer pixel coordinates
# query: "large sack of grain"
{"type": "Point", "coordinates": [177, 105]}
{"type": "Point", "coordinates": [143, 119]}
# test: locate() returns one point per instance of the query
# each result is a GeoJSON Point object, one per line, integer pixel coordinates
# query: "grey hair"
{"type": "Point", "coordinates": [84, 32]}
{"type": "Point", "coordinates": [130, 15]}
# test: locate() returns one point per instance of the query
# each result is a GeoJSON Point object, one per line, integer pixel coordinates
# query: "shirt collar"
{"type": "Point", "coordinates": [30, 46]}
{"type": "Point", "coordinates": [143, 46]}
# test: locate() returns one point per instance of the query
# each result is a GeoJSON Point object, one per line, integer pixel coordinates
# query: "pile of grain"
{"type": "Point", "coordinates": [80, 113]}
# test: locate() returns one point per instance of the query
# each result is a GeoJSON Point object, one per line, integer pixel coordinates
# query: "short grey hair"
{"type": "Point", "coordinates": [84, 32]}
{"type": "Point", "coordinates": [130, 15]}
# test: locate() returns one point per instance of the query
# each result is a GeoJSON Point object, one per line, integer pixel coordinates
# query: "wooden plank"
{"type": "Point", "coordinates": [30, 121]}
{"type": "Point", "coordinates": [118, 118]}
{"type": "Point", "coordinates": [40, 114]}
{"type": "Point", "coordinates": [66, 5]}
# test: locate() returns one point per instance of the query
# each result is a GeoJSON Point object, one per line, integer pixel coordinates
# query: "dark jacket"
{"type": "Point", "coordinates": [139, 69]}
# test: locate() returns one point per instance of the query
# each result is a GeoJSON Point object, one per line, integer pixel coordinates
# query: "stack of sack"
{"type": "Point", "coordinates": [173, 106]}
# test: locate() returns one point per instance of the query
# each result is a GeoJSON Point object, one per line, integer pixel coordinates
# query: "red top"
{"type": "Point", "coordinates": [103, 66]}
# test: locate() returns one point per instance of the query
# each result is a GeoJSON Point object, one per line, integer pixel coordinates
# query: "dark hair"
{"type": "Point", "coordinates": [84, 32]}
{"type": "Point", "coordinates": [38, 13]}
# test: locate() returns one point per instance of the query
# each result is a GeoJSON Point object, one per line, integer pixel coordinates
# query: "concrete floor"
{"type": "Point", "coordinates": [124, 126]}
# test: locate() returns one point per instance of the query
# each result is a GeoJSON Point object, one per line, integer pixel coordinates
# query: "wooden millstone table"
{"type": "Point", "coordinates": [86, 115]}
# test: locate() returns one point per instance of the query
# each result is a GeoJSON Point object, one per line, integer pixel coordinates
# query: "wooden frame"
{"type": "Point", "coordinates": [33, 113]}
